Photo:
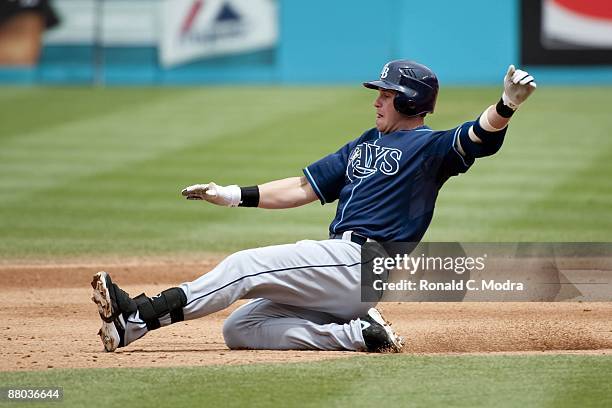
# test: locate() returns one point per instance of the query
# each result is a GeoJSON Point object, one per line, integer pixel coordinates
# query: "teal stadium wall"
{"type": "Point", "coordinates": [344, 41]}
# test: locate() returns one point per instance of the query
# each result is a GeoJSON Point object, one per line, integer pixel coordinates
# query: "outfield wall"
{"type": "Point", "coordinates": [343, 41]}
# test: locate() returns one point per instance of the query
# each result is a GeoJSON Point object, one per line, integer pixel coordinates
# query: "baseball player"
{"type": "Point", "coordinates": [306, 295]}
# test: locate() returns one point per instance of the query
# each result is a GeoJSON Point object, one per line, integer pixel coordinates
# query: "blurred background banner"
{"type": "Point", "coordinates": [104, 23]}
{"type": "Point", "coordinates": [577, 24]}
{"type": "Point", "coordinates": [22, 24]}
{"type": "Point", "coordinates": [567, 32]}
{"type": "Point", "coordinates": [193, 29]}
{"type": "Point", "coordinates": [153, 42]}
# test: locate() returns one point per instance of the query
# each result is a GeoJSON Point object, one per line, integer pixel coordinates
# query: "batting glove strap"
{"type": "Point", "coordinates": [505, 109]}
{"type": "Point", "coordinates": [249, 196]}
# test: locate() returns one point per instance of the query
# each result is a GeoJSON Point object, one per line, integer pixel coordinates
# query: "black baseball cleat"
{"type": "Point", "coordinates": [378, 335]}
{"type": "Point", "coordinates": [114, 305]}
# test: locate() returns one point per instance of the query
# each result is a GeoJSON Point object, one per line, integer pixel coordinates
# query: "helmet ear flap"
{"type": "Point", "coordinates": [403, 104]}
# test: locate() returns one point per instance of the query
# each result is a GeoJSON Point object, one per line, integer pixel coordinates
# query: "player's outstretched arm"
{"type": "Point", "coordinates": [483, 137]}
{"type": "Point", "coordinates": [285, 193]}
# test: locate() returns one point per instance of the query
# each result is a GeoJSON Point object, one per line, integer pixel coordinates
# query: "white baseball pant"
{"type": "Point", "coordinates": [305, 295]}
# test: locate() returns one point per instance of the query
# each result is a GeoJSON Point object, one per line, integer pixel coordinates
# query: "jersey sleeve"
{"type": "Point", "coordinates": [450, 161]}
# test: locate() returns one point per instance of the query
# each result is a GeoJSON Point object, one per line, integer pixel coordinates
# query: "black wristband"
{"type": "Point", "coordinates": [503, 110]}
{"type": "Point", "coordinates": [249, 196]}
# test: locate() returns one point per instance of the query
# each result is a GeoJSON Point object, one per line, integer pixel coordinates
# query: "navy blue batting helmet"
{"type": "Point", "coordinates": [416, 86]}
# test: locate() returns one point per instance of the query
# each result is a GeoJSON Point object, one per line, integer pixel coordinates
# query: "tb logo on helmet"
{"type": "Point", "coordinates": [384, 72]}
{"type": "Point", "coordinates": [415, 86]}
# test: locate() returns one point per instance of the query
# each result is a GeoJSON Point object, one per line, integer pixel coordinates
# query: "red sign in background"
{"type": "Point", "coordinates": [536, 46]}
{"type": "Point", "coordinates": [600, 9]}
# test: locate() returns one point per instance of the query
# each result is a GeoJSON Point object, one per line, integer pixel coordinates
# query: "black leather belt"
{"type": "Point", "coordinates": [355, 237]}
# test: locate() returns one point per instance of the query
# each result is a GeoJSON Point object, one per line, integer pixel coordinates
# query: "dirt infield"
{"type": "Point", "coordinates": [48, 321]}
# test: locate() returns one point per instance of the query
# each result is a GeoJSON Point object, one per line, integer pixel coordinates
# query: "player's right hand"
{"type": "Point", "coordinates": [518, 85]}
{"type": "Point", "coordinates": [228, 196]}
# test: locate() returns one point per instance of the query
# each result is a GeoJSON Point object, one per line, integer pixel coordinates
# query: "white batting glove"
{"type": "Point", "coordinates": [518, 85]}
{"type": "Point", "coordinates": [227, 196]}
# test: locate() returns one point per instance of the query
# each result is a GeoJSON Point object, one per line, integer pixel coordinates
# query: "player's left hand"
{"type": "Point", "coordinates": [518, 85]}
{"type": "Point", "coordinates": [227, 196]}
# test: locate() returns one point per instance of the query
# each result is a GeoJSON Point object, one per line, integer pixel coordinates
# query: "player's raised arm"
{"type": "Point", "coordinates": [484, 136]}
{"type": "Point", "coordinates": [285, 193]}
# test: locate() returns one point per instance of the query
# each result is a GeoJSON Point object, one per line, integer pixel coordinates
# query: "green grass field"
{"type": "Point", "coordinates": [93, 172]}
{"type": "Point", "coordinates": [401, 381]}
{"type": "Point", "coordinates": [98, 172]}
